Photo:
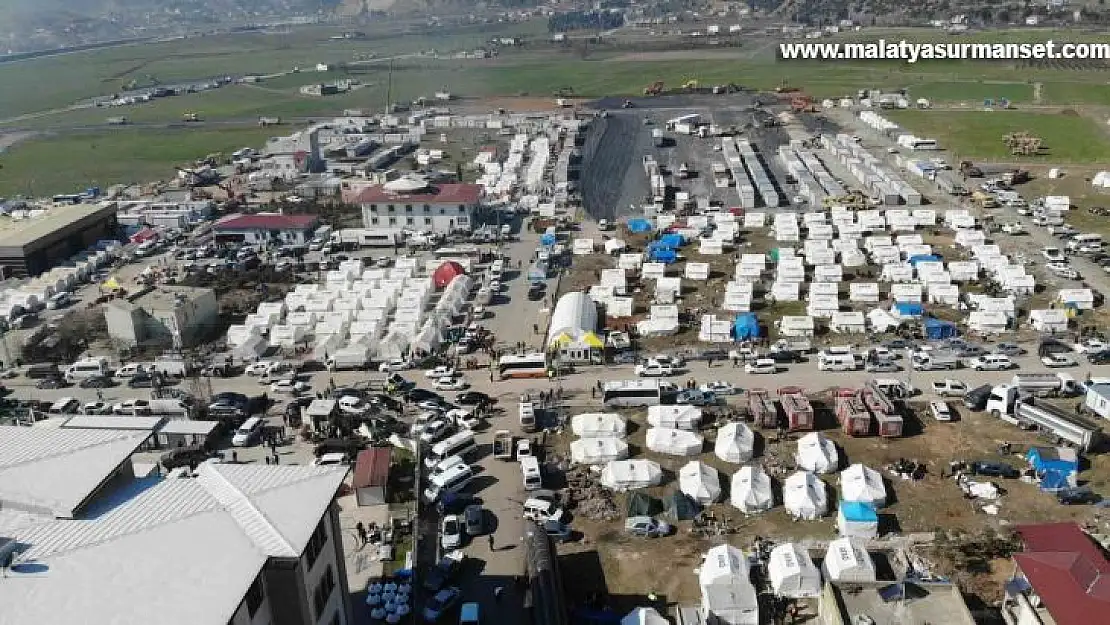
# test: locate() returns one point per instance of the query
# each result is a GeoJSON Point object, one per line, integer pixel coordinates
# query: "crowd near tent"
{"type": "Point", "coordinates": [678, 417]}
{"type": "Point", "coordinates": [598, 424]}
{"type": "Point", "coordinates": [817, 453]}
{"type": "Point", "coordinates": [805, 496]}
{"type": "Point", "coordinates": [621, 475]}
{"type": "Point", "coordinates": [700, 482]}
{"type": "Point", "coordinates": [727, 594]}
{"type": "Point", "coordinates": [735, 442]}
{"type": "Point", "coordinates": [674, 442]}
{"type": "Point", "coordinates": [793, 573]}
{"type": "Point", "coordinates": [751, 490]}
{"type": "Point", "coordinates": [857, 519]}
{"type": "Point", "coordinates": [847, 561]}
{"type": "Point", "coordinates": [598, 450]}
{"type": "Point", "coordinates": [863, 484]}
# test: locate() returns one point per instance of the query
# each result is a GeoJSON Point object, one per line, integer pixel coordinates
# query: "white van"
{"type": "Point", "coordinates": [530, 468]}
{"type": "Point", "coordinates": [496, 269]}
{"type": "Point", "coordinates": [452, 480]}
{"type": "Point", "coordinates": [541, 511]}
{"type": "Point", "coordinates": [86, 369]}
{"type": "Point", "coordinates": [527, 416]}
{"type": "Point", "coordinates": [836, 362]}
{"type": "Point", "coordinates": [445, 465]}
{"type": "Point", "coordinates": [131, 370]}
{"type": "Point", "coordinates": [1085, 243]}
{"type": "Point", "coordinates": [458, 444]}
{"type": "Point", "coordinates": [248, 432]}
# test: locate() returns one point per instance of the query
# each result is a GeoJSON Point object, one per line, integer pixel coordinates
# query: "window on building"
{"type": "Point", "coordinates": [409, 221]}
{"type": "Point", "coordinates": [442, 211]}
{"type": "Point", "coordinates": [427, 208]}
{"type": "Point", "coordinates": [255, 594]}
{"type": "Point", "coordinates": [316, 544]}
{"type": "Point", "coordinates": [373, 221]}
{"type": "Point", "coordinates": [391, 208]}
{"type": "Point", "coordinates": [462, 208]}
{"type": "Point", "coordinates": [408, 208]}
{"type": "Point", "coordinates": [373, 208]}
{"type": "Point", "coordinates": [427, 221]}
{"type": "Point", "coordinates": [323, 591]}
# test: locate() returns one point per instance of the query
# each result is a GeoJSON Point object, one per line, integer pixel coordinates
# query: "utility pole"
{"type": "Point", "coordinates": [389, 90]}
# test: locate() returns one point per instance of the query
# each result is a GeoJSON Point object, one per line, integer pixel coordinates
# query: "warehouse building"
{"type": "Point", "coordinates": [34, 242]}
{"type": "Point", "coordinates": [412, 203]}
{"type": "Point", "coordinates": [179, 316]}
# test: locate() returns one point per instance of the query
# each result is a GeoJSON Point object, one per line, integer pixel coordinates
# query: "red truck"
{"type": "Point", "coordinates": [852, 413]}
{"type": "Point", "coordinates": [884, 410]}
{"type": "Point", "coordinates": [762, 408]}
{"type": "Point", "coordinates": [796, 406]}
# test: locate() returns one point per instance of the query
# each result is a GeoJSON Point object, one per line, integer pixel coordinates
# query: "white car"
{"type": "Point", "coordinates": [761, 366]}
{"type": "Point", "coordinates": [288, 386]}
{"type": "Point", "coordinates": [395, 364]}
{"type": "Point", "coordinates": [1053, 255]}
{"type": "Point", "coordinates": [523, 448]}
{"type": "Point", "coordinates": [464, 418]}
{"type": "Point", "coordinates": [96, 407]}
{"type": "Point", "coordinates": [441, 371]}
{"type": "Point", "coordinates": [131, 406]}
{"type": "Point", "coordinates": [991, 362]}
{"type": "Point", "coordinates": [422, 420]}
{"type": "Point", "coordinates": [1013, 229]}
{"type": "Point", "coordinates": [940, 411]}
{"type": "Point", "coordinates": [654, 370]}
{"type": "Point", "coordinates": [1091, 346]}
{"type": "Point", "coordinates": [718, 387]}
{"type": "Point", "coordinates": [675, 362]}
{"type": "Point", "coordinates": [330, 460]}
{"type": "Point", "coordinates": [451, 532]}
{"type": "Point", "coordinates": [352, 405]}
{"type": "Point", "coordinates": [450, 384]}
{"type": "Point", "coordinates": [1057, 360]}
{"type": "Point", "coordinates": [262, 367]}
{"type": "Point", "coordinates": [435, 430]}
{"type": "Point", "coordinates": [1063, 271]}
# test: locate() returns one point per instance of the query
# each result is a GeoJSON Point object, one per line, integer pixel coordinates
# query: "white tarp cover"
{"type": "Point", "coordinates": [735, 443]}
{"type": "Point", "coordinates": [751, 490]}
{"type": "Point", "coordinates": [674, 442]}
{"type": "Point", "coordinates": [805, 496]}
{"type": "Point", "coordinates": [700, 482]}
{"type": "Point", "coordinates": [598, 450]}
{"type": "Point", "coordinates": [727, 594]}
{"type": "Point", "coordinates": [816, 453]}
{"type": "Point", "coordinates": [847, 561]}
{"type": "Point", "coordinates": [678, 417]}
{"type": "Point", "coordinates": [598, 425]}
{"type": "Point", "coordinates": [621, 475]}
{"type": "Point", "coordinates": [793, 573]}
{"type": "Point", "coordinates": [644, 616]}
{"type": "Point", "coordinates": [862, 483]}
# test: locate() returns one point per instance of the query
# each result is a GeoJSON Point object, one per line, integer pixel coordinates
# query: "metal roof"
{"type": "Point", "coordinates": [372, 467]}
{"type": "Point", "coordinates": [266, 222]}
{"type": "Point", "coordinates": [1067, 570]}
{"type": "Point", "coordinates": [467, 194]}
{"type": "Point", "coordinates": [24, 232]}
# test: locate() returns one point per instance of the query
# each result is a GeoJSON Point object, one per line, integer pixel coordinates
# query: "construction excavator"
{"type": "Point", "coordinates": [690, 85]}
{"type": "Point", "coordinates": [655, 88]}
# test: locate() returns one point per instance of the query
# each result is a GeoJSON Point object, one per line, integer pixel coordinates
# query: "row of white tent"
{"type": "Point", "coordinates": [20, 296]}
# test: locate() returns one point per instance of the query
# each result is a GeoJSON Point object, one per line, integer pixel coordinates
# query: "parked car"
{"type": "Point", "coordinates": [881, 366]}
{"type": "Point", "coordinates": [444, 570]}
{"type": "Point", "coordinates": [142, 380]}
{"type": "Point", "coordinates": [51, 383]}
{"type": "Point", "coordinates": [96, 381]}
{"type": "Point", "coordinates": [761, 366]}
{"type": "Point", "coordinates": [1010, 349]}
{"type": "Point", "coordinates": [558, 531]}
{"type": "Point", "coordinates": [289, 386]}
{"type": "Point", "coordinates": [1099, 358]}
{"type": "Point", "coordinates": [1053, 255]}
{"type": "Point", "coordinates": [394, 364]}
{"type": "Point", "coordinates": [450, 384]}
{"type": "Point", "coordinates": [473, 398]}
{"type": "Point", "coordinates": [132, 407]}
{"type": "Point", "coordinates": [1063, 271]}
{"type": "Point", "coordinates": [191, 455]}
{"type": "Point", "coordinates": [474, 518]}
{"type": "Point", "coordinates": [696, 397]}
{"type": "Point", "coordinates": [718, 387]}
{"type": "Point", "coordinates": [994, 469]}
{"type": "Point", "coordinates": [1077, 496]}
{"type": "Point", "coordinates": [654, 370]}
{"type": "Point", "coordinates": [940, 411]}
{"type": "Point", "coordinates": [451, 532]}
{"type": "Point", "coordinates": [441, 603]}
{"type": "Point", "coordinates": [949, 387]}
{"type": "Point", "coordinates": [626, 357]}
{"type": "Point", "coordinates": [439, 372]}
{"type": "Point", "coordinates": [991, 362]}
{"type": "Point", "coordinates": [1057, 360]}
{"type": "Point", "coordinates": [96, 407]}
{"type": "Point", "coordinates": [417, 395]}
{"type": "Point", "coordinates": [646, 527]}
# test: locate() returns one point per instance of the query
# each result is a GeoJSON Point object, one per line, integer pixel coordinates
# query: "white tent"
{"type": "Point", "coordinates": [1049, 320]}
{"type": "Point", "coordinates": [847, 561]}
{"type": "Point", "coordinates": [598, 450]}
{"type": "Point", "coordinates": [598, 424]}
{"type": "Point", "coordinates": [804, 496]}
{"type": "Point", "coordinates": [816, 453]}
{"type": "Point", "coordinates": [735, 443]}
{"type": "Point", "coordinates": [621, 475]}
{"type": "Point", "coordinates": [793, 573]}
{"type": "Point", "coordinates": [751, 490]}
{"type": "Point", "coordinates": [674, 442]}
{"type": "Point", "coordinates": [727, 594]}
{"type": "Point", "coordinates": [678, 417]}
{"type": "Point", "coordinates": [700, 482]}
{"type": "Point", "coordinates": [857, 519]}
{"type": "Point", "coordinates": [861, 483]}
{"type": "Point", "coordinates": [644, 616]}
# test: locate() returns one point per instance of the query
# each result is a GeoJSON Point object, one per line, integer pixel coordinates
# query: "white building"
{"type": "Point", "coordinates": [414, 204]}
{"type": "Point", "coordinates": [572, 331]}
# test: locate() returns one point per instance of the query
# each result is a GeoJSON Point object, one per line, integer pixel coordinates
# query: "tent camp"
{"type": "Point", "coordinates": [805, 496]}
{"type": "Point", "coordinates": [598, 450]}
{"type": "Point", "coordinates": [817, 453]}
{"type": "Point", "coordinates": [598, 424]}
{"type": "Point", "coordinates": [674, 442]}
{"type": "Point", "coordinates": [793, 573]}
{"type": "Point", "coordinates": [857, 519]}
{"type": "Point", "coordinates": [847, 561]}
{"type": "Point", "coordinates": [735, 443]}
{"type": "Point", "coordinates": [727, 594]}
{"type": "Point", "coordinates": [751, 490]}
{"type": "Point", "coordinates": [621, 475]}
{"type": "Point", "coordinates": [700, 482]}
{"type": "Point", "coordinates": [644, 616]}
{"type": "Point", "coordinates": [861, 483]}
{"type": "Point", "coordinates": [678, 417]}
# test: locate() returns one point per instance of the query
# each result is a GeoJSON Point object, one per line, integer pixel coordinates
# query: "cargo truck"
{"type": "Point", "coordinates": [657, 138]}
{"type": "Point", "coordinates": [1008, 403]}
{"type": "Point", "coordinates": [349, 359]}
{"type": "Point", "coordinates": [503, 445]}
{"type": "Point", "coordinates": [1047, 384]}
{"type": "Point", "coordinates": [762, 408]}
{"type": "Point", "coordinates": [796, 407]}
{"type": "Point", "coordinates": [852, 413]}
{"type": "Point", "coordinates": [934, 360]}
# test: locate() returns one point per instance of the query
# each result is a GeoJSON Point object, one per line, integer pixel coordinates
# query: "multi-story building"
{"type": "Point", "coordinates": [414, 204]}
{"type": "Point", "coordinates": [169, 315]}
{"type": "Point", "coordinates": [266, 229]}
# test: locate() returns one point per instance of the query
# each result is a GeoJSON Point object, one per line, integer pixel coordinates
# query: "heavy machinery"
{"type": "Point", "coordinates": [802, 104]}
{"type": "Point", "coordinates": [690, 85]}
{"type": "Point", "coordinates": [655, 88]}
{"type": "Point", "coordinates": [969, 170]}
{"type": "Point", "coordinates": [190, 117]}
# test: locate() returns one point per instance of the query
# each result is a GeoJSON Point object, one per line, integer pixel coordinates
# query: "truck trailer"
{"type": "Point", "coordinates": [762, 408]}
{"type": "Point", "coordinates": [883, 409]}
{"type": "Point", "coordinates": [852, 413]}
{"type": "Point", "coordinates": [1008, 403]}
{"type": "Point", "coordinates": [796, 407]}
{"type": "Point", "coordinates": [1047, 384]}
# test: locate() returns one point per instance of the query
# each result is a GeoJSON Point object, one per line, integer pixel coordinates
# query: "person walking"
{"type": "Point", "coordinates": [491, 543]}
{"type": "Point", "coordinates": [363, 538]}
{"type": "Point", "coordinates": [497, 592]}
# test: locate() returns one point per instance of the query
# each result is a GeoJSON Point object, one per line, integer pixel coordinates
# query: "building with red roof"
{"type": "Point", "coordinates": [1061, 578]}
{"type": "Point", "coordinates": [412, 203]}
{"type": "Point", "coordinates": [266, 229]}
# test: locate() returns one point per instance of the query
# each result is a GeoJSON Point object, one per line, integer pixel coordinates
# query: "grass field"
{"type": "Point", "coordinates": [977, 135]}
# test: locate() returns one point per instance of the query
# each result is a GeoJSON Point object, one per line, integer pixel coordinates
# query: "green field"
{"type": "Point", "coordinates": [978, 135]}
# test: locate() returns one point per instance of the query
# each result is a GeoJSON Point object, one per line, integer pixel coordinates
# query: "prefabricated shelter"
{"type": "Point", "coordinates": [598, 425]}
{"type": "Point", "coordinates": [805, 496]}
{"type": "Point", "coordinates": [700, 482]}
{"type": "Point", "coordinates": [864, 292]}
{"type": "Point", "coordinates": [583, 247]}
{"type": "Point", "coordinates": [727, 594]}
{"type": "Point", "coordinates": [987, 321]}
{"type": "Point", "coordinates": [792, 572]}
{"type": "Point", "coordinates": [751, 490]}
{"type": "Point", "coordinates": [572, 330]}
{"type": "Point", "coordinates": [846, 560]}
{"type": "Point", "coordinates": [598, 450]}
{"type": "Point", "coordinates": [370, 480]}
{"type": "Point", "coordinates": [677, 417]}
{"type": "Point", "coordinates": [674, 442]}
{"type": "Point", "coordinates": [857, 519]}
{"type": "Point", "coordinates": [697, 271]}
{"type": "Point", "coordinates": [796, 326]}
{"type": "Point", "coordinates": [1049, 320]}
{"type": "Point", "coordinates": [1082, 299]}
{"type": "Point", "coordinates": [735, 442]}
{"type": "Point", "coordinates": [622, 475]}
{"type": "Point", "coordinates": [817, 453]}
{"type": "Point", "coordinates": [849, 322]}
{"type": "Point", "coordinates": [862, 483]}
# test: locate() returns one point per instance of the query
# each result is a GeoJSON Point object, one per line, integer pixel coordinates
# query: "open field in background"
{"type": "Point", "coordinates": [977, 135]}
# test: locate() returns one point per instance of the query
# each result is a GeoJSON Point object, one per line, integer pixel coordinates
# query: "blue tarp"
{"type": "Point", "coordinates": [923, 258]}
{"type": "Point", "coordinates": [1056, 473]}
{"type": "Point", "coordinates": [859, 512]}
{"type": "Point", "coordinates": [909, 309]}
{"type": "Point", "coordinates": [663, 255]}
{"type": "Point", "coordinates": [639, 225]}
{"type": "Point", "coordinates": [671, 240]}
{"type": "Point", "coordinates": [547, 239]}
{"type": "Point", "coordinates": [746, 326]}
{"type": "Point", "coordinates": [935, 329]}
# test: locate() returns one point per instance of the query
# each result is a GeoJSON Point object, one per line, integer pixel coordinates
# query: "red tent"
{"type": "Point", "coordinates": [144, 235]}
{"type": "Point", "coordinates": [447, 272]}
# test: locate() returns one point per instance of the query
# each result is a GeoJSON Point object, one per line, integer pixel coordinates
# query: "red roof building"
{"type": "Point", "coordinates": [371, 477]}
{"type": "Point", "coordinates": [443, 208]}
{"type": "Point", "coordinates": [266, 228]}
{"type": "Point", "coordinates": [1062, 578]}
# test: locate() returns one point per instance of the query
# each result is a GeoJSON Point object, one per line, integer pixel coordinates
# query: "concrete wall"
{"type": "Point", "coordinates": [263, 613]}
{"type": "Point", "coordinates": [193, 318]}
{"type": "Point", "coordinates": [441, 218]}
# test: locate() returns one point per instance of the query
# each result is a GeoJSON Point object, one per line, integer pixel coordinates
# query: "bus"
{"type": "Point", "coordinates": [631, 393]}
{"type": "Point", "coordinates": [532, 365]}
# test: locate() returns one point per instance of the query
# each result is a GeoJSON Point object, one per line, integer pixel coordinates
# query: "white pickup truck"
{"type": "Point", "coordinates": [949, 388]}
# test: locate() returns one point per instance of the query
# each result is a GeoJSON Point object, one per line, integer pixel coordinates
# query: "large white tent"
{"type": "Point", "coordinates": [644, 616]}
{"type": "Point", "coordinates": [816, 453]}
{"type": "Point", "coordinates": [623, 475]}
{"type": "Point", "coordinates": [678, 417]}
{"type": "Point", "coordinates": [751, 490]}
{"type": "Point", "coordinates": [727, 594]}
{"type": "Point", "coordinates": [674, 442]}
{"type": "Point", "coordinates": [735, 443]}
{"type": "Point", "coordinates": [598, 450]}
{"type": "Point", "coordinates": [700, 482]}
{"type": "Point", "coordinates": [847, 561]}
{"type": "Point", "coordinates": [864, 484]}
{"type": "Point", "coordinates": [793, 573]}
{"type": "Point", "coordinates": [598, 424]}
{"type": "Point", "coordinates": [805, 496]}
